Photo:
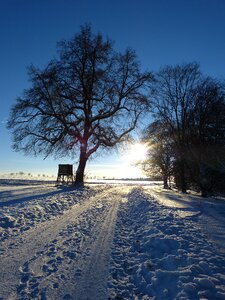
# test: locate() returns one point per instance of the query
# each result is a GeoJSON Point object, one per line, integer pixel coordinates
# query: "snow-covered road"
{"type": "Point", "coordinates": [109, 242]}
{"type": "Point", "coordinates": [71, 251]}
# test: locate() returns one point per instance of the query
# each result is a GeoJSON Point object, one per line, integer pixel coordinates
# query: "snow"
{"type": "Point", "coordinates": [109, 241]}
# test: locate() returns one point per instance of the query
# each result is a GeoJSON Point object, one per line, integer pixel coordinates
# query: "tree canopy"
{"type": "Point", "coordinates": [89, 98]}
{"type": "Point", "coordinates": [189, 119]}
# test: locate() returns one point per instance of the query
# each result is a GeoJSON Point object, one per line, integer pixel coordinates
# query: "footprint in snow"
{"type": "Point", "coordinates": [55, 285]}
{"type": "Point", "coordinates": [78, 273]}
{"type": "Point", "coordinates": [28, 287]}
{"type": "Point", "coordinates": [67, 297]}
{"type": "Point", "coordinates": [49, 269]}
{"type": "Point", "coordinates": [25, 277]}
{"type": "Point", "coordinates": [69, 254]}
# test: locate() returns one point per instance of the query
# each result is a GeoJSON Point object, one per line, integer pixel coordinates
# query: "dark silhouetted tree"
{"type": "Point", "coordinates": [160, 156]}
{"type": "Point", "coordinates": [173, 97]}
{"type": "Point", "coordinates": [189, 116]}
{"type": "Point", "coordinates": [88, 99]}
{"type": "Point", "coordinates": [207, 136]}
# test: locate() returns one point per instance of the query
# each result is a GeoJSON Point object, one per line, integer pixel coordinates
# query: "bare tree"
{"type": "Point", "coordinates": [90, 98]}
{"type": "Point", "coordinates": [190, 118]}
{"type": "Point", "coordinates": [174, 95]}
{"type": "Point", "coordinates": [160, 157]}
{"type": "Point", "coordinates": [207, 135]}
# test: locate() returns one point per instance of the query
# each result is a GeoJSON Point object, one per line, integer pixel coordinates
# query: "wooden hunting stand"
{"type": "Point", "coordinates": [65, 174]}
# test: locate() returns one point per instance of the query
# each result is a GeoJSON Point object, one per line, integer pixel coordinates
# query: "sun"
{"type": "Point", "coordinates": [136, 152]}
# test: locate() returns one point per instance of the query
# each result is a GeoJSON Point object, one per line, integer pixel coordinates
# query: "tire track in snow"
{"type": "Point", "coordinates": [93, 282]}
{"type": "Point", "coordinates": [33, 243]}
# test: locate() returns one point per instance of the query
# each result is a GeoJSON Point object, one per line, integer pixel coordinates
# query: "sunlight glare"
{"type": "Point", "coordinates": [136, 153]}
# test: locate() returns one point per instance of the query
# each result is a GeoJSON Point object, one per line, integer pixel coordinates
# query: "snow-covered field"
{"type": "Point", "coordinates": [109, 241]}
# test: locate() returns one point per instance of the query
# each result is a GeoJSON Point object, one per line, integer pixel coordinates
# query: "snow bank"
{"type": "Point", "coordinates": [21, 216]}
{"type": "Point", "coordinates": [159, 255]}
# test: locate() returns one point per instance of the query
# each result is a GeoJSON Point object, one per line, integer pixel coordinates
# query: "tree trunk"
{"type": "Point", "coordinates": [182, 178]}
{"type": "Point", "coordinates": [81, 168]}
{"type": "Point", "coordinates": [165, 182]}
{"type": "Point", "coordinates": [204, 185]}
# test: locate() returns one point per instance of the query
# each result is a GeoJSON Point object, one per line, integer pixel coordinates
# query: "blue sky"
{"type": "Point", "coordinates": [161, 31]}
